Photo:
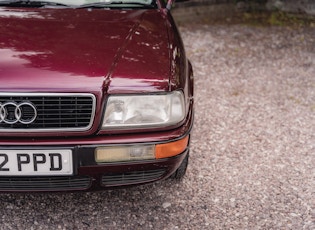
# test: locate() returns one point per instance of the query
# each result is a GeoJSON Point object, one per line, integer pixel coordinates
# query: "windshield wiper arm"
{"type": "Point", "coordinates": [29, 3]}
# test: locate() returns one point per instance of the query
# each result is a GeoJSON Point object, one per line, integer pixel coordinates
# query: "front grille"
{"type": "Point", "coordinates": [134, 177]}
{"type": "Point", "coordinates": [44, 183]}
{"type": "Point", "coordinates": [72, 112]}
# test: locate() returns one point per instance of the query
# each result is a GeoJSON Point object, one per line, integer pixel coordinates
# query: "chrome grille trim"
{"type": "Point", "coordinates": [38, 96]}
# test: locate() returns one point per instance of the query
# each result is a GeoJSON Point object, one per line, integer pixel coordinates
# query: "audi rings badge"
{"type": "Point", "coordinates": [12, 112]}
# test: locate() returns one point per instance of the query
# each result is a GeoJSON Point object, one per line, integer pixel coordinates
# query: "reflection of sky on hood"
{"type": "Point", "coordinates": [13, 59]}
{"type": "Point", "coordinates": [8, 14]}
{"type": "Point", "coordinates": [61, 40]}
{"type": "Point", "coordinates": [10, 57]}
{"type": "Point", "coordinates": [41, 77]}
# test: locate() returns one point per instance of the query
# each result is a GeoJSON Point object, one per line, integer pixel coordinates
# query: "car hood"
{"type": "Point", "coordinates": [77, 50]}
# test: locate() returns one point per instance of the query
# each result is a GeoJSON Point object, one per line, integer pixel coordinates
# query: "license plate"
{"type": "Point", "coordinates": [36, 162]}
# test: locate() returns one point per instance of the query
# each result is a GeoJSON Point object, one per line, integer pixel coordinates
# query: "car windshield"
{"type": "Point", "coordinates": [80, 3]}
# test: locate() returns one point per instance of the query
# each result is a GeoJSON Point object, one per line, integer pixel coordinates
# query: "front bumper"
{"type": "Point", "coordinates": [97, 177]}
{"type": "Point", "coordinates": [89, 175]}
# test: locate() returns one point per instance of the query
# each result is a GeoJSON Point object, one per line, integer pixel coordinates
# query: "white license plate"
{"type": "Point", "coordinates": [36, 162]}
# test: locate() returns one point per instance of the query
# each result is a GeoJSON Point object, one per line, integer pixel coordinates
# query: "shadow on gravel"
{"type": "Point", "coordinates": [140, 206]}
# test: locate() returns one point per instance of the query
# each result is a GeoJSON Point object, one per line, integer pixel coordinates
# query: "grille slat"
{"type": "Point", "coordinates": [54, 112]}
{"type": "Point", "coordinates": [44, 183]}
{"type": "Point", "coordinates": [131, 177]}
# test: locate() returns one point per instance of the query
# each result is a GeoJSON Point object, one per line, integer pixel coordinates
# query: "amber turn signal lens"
{"type": "Point", "coordinates": [171, 149]}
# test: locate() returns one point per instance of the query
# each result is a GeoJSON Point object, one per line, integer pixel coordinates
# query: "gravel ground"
{"type": "Point", "coordinates": [253, 149]}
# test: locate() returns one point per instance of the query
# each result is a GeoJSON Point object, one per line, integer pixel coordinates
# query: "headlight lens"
{"type": "Point", "coordinates": [141, 111]}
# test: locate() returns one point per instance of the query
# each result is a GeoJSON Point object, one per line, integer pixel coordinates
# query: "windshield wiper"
{"type": "Point", "coordinates": [121, 4]}
{"type": "Point", "coordinates": [29, 3]}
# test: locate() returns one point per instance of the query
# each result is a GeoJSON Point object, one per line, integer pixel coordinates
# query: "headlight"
{"type": "Point", "coordinates": [141, 111]}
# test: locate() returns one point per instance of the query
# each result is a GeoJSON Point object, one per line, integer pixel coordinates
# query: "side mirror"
{"type": "Point", "coordinates": [169, 4]}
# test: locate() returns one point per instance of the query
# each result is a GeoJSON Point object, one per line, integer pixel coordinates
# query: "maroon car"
{"type": "Point", "coordinates": [94, 94]}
